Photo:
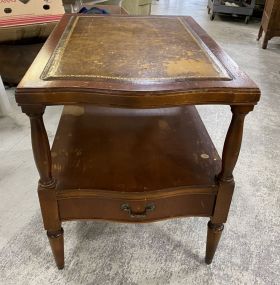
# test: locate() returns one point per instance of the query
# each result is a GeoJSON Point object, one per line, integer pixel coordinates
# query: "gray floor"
{"type": "Point", "coordinates": [169, 252]}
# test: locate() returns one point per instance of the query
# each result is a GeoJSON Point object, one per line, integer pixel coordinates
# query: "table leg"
{"type": "Point", "coordinates": [46, 187]}
{"type": "Point", "coordinates": [225, 178]}
{"type": "Point", "coordinates": [265, 41]}
{"type": "Point", "coordinates": [57, 245]}
{"type": "Point", "coordinates": [213, 236]}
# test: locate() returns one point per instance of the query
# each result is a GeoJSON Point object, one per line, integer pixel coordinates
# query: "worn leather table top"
{"type": "Point", "coordinates": [131, 62]}
{"type": "Point", "coordinates": [129, 49]}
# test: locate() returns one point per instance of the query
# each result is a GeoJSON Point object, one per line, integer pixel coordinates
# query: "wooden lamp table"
{"type": "Point", "coordinates": [130, 145]}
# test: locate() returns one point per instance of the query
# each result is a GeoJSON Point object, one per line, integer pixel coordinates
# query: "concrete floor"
{"type": "Point", "coordinates": [256, 204]}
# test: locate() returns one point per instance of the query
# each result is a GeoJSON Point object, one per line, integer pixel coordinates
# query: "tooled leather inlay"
{"type": "Point", "coordinates": [131, 49]}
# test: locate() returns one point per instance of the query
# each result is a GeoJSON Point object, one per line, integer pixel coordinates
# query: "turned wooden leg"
{"type": "Point", "coordinates": [225, 179]}
{"type": "Point", "coordinates": [57, 245]}
{"type": "Point", "coordinates": [47, 184]}
{"type": "Point", "coordinates": [230, 155]}
{"type": "Point", "coordinates": [213, 237]}
{"type": "Point", "coordinates": [52, 223]}
{"type": "Point", "coordinates": [260, 33]}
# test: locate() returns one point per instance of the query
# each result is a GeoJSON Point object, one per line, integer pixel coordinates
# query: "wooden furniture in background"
{"type": "Point", "coordinates": [243, 8]}
{"type": "Point", "coordinates": [130, 145]}
{"type": "Point", "coordinates": [270, 23]}
{"type": "Point", "coordinates": [19, 45]}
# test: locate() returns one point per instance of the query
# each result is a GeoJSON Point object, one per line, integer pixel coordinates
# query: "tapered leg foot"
{"type": "Point", "coordinates": [57, 244]}
{"type": "Point", "coordinates": [265, 43]}
{"type": "Point", "coordinates": [213, 236]}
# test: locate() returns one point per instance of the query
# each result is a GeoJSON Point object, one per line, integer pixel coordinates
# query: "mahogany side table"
{"type": "Point", "coordinates": [130, 145]}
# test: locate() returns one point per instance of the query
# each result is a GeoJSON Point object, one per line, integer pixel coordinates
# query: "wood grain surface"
{"type": "Point", "coordinates": [142, 161]}
{"type": "Point", "coordinates": [137, 62]}
{"type": "Point", "coordinates": [139, 150]}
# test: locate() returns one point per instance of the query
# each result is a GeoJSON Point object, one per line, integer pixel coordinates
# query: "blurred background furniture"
{"type": "Point", "coordinates": [238, 7]}
{"type": "Point", "coordinates": [24, 27]}
{"type": "Point", "coordinates": [19, 44]}
{"type": "Point", "coordinates": [132, 7]}
{"type": "Point", "coordinates": [138, 7]}
{"type": "Point", "coordinates": [270, 23]}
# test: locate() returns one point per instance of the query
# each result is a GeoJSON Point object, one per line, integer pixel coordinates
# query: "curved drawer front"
{"type": "Point", "coordinates": [136, 210]}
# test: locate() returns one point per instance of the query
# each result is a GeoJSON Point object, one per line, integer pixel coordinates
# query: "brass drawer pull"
{"type": "Point", "coordinates": [149, 208]}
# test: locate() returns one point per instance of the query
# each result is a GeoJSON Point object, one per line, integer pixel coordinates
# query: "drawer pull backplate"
{"type": "Point", "coordinates": [149, 208]}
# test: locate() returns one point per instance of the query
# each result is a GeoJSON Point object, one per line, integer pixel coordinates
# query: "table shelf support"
{"type": "Point", "coordinates": [47, 184]}
{"type": "Point", "coordinates": [233, 141]}
{"type": "Point", "coordinates": [225, 178]}
{"type": "Point", "coordinates": [41, 147]}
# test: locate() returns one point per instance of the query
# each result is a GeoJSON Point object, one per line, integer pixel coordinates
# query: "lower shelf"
{"type": "Point", "coordinates": [128, 150]}
{"type": "Point", "coordinates": [133, 165]}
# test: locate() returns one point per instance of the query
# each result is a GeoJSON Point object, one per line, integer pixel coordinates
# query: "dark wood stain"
{"type": "Point", "coordinates": [140, 150]}
{"type": "Point", "coordinates": [150, 157]}
{"type": "Point", "coordinates": [270, 23]}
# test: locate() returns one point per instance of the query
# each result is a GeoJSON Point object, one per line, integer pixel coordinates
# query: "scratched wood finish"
{"type": "Point", "coordinates": [140, 150]}
{"type": "Point", "coordinates": [139, 93]}
{"type": "Point", "coordinates": [146, 155]}
{"type": "Point", "coordinates": [119, 55]}
{"type": "Point", "coordinates": [149, 159]}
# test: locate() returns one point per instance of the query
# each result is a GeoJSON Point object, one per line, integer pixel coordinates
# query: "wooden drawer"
{"type": "Point", "coordinates": [136, 210]}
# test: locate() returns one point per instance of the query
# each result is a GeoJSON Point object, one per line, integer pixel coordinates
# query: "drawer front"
{"type": "Point", "coordinates": [130, 210]}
